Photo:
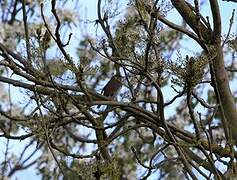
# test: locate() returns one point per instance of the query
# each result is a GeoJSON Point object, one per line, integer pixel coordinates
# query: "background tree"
{"type": "Point", "coordinates": [175, 116]}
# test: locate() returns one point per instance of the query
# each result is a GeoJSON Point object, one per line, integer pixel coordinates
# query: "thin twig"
{"type": "Point", "coordinates": [28, 50]}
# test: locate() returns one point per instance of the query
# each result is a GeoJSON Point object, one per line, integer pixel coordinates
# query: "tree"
{"type": "Point", "coordinates": [132, 136]}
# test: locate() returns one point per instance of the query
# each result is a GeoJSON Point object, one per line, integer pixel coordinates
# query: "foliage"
{"type": "Point", "coordinates": [174, 118]}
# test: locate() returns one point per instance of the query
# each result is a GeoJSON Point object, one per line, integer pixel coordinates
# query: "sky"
{"type": "Point", "coordinates": [89, 11]}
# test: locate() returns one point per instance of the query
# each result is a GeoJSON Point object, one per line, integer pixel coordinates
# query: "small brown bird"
{"type": "Point", "coordinates": [46, 39]}
{"type": "Point", "coordinates": [112, 88]}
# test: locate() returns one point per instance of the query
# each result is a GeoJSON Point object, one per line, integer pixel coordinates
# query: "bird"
{"type": "Point", "coordinates": [112, 88]}
{"type": "Point", "coordinates": [46, 39]}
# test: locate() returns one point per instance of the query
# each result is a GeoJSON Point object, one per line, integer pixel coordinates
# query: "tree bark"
{"type": "Point", "coordinates": [221, 77]}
